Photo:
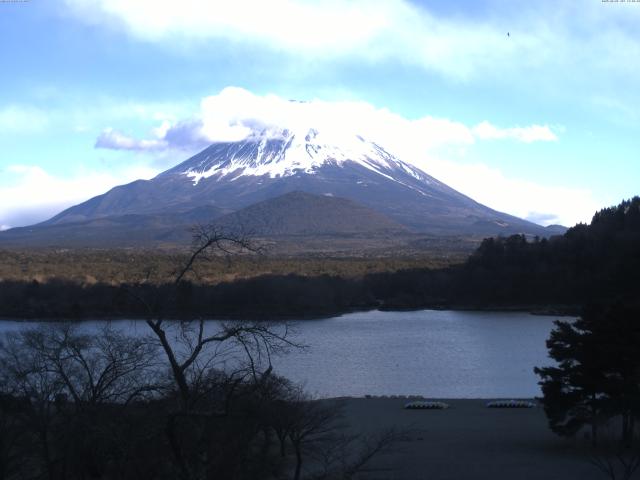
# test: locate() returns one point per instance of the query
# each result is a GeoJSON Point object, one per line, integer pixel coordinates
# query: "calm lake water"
{"type": "Point", "coordinates": [441, 354]}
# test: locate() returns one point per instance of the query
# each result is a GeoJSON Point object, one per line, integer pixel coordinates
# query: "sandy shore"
{"type": "Point", "coordinates": [469, 441]}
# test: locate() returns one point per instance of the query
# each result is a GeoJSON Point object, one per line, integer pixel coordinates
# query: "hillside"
{"type": "Point", "coordinates": [227, 177]}
{"type": "Point", "coordinates": [300, 213]}
{"type": "Point", "coordinates": [597, 262]}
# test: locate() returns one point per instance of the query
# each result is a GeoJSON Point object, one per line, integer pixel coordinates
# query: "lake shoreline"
{"type": "Point", "coordinates": [537, 310]}
{"type": "Point", "coordinates": [432, 353]}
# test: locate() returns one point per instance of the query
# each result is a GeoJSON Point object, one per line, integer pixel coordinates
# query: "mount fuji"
{"type": "Point", "coordinates": [363, 179]}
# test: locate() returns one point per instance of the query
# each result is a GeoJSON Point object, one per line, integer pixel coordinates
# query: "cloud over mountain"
{"type": "Point", "coordinates": [234, 113]}
{"type": "Point", "coordinates": [115, 140]}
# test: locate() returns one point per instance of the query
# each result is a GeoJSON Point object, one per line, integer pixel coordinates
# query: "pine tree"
{"type": "Point", "coordinates": [597, 376]}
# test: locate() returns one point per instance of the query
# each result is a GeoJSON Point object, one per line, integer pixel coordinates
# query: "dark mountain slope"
{"type": "Point", "coordinates": [300, 213]}
{"type": "Point", "coordinates": [235, 175]}
{"type": "Point", "coordinates": [389, 195]}
{"type": "Point", "coordinates": [129, 230]}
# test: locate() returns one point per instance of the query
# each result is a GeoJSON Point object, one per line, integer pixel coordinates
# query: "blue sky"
{"type": "Point", "coordinates": [543, 123]}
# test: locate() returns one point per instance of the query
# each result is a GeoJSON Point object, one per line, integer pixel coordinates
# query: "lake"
{"type": "Point", "coordinates": [435, 353]}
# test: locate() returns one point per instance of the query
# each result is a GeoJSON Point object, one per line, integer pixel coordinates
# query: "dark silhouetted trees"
{"type": "Point", "coordinates": [596, 262]}
{"type": "Point", "coordinates": [75, 406]}
{"type": "Point", "coordinates": [65, 392]}
{"type": "Point", "coordinates": [186, 400]}
{"type": "Point", "coordinates": [597, 377]}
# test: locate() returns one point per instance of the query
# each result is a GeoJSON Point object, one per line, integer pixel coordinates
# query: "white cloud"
{"type": "Point", "coordinates": [542, 218]}
{"type": "Point", "coordinates": [372, 29]}
{"type": "Point", "coordinates": [369, 29]}
{"type": "Point", "coordinates": [235, 113]}
{"type": "Point", "coordinates": [281, 23]}
{"type": "Point", "coordinates": [428, 142]}
{"type": "Point", "coordinates": [115, 140]}
{"type": "Point", "coordinates": [30, 194]}
{"type": "Point", "coordinates": [533, 133]}
{"type": "Point", "coordinates": [522, 198]}
{"type": "Point", "coordinates": [556, 35]}
{"type": "Point", "coordinates": [80, 115]}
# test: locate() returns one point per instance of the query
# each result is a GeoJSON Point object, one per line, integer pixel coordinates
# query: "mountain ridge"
{"type": "Point", "coordinates": [227, 177]}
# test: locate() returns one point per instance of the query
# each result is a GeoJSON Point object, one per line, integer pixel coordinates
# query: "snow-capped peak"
{"type": "Point", "coordinates": [286, 152]}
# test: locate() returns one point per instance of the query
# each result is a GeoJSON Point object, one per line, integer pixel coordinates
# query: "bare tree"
{"type": "Point", "coordinates": [312, 424]}
{"type": "Point", "coordinates": [346, 457]}
{"type": "Point", "coordinates": [191, 350]}
{"type": "Point", "coordinates": [110, 367]}
{"type": "Point", "coordinates": [195, 348]}
{"type": "Point", "coordinates": [65, 381]}
{"type": "Point", "coordinates": [26, 376]}
{"type": "Point", "coordinates": [104, 406]}
{"type": "Point", "coordinates": [316, 432]}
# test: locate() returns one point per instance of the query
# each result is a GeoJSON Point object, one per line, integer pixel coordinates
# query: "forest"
{"type": "Point", "coordinates": [595, 262]}
{"type": "Point", "coordinates": [155, 406]}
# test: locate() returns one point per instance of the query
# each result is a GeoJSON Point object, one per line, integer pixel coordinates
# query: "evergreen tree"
{"type": "Point", "coordinates": [597, 376]}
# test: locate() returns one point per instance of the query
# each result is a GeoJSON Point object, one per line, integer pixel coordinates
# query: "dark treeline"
{"type": "Point", "coordinates": [596, 262]}
{"type": "Point", "coordinates": [599, 262]}
{"type": "Point", "coordinates": [113, 406]}
{"type": "Point", "coordinates": [265, 296]}
{"type": "Point", "coordinates": [184, 401]}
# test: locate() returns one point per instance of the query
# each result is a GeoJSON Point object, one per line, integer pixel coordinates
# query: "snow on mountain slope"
{"type": "Point", "coordinates": [285, 153]}
{"type": "Point", "coordinates": [272, 162]}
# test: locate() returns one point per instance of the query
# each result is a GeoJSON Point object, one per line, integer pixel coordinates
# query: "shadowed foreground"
{"type": "Point", "coordinates": [469, 441]}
